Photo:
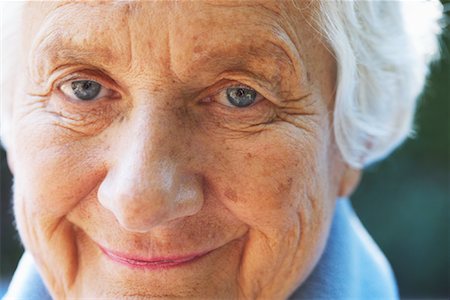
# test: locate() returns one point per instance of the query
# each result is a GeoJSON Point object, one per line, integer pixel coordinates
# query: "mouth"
{"type": "Point", "coordinates": [152, 263]}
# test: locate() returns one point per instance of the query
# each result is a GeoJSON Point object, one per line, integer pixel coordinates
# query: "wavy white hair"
{"type": "Point", "coordinates": [382, 50]}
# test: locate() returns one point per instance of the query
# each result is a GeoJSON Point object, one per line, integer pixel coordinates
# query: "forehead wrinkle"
{"type": "Point", "coordinates": [273, 7]}
{"type": "Point", "coordinates": [54, 45]}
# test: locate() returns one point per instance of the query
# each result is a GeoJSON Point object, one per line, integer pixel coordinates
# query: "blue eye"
{"type": "Point", "coordinates": [86, 89]}
{"type": "Point", "coordinates": [241, 96]}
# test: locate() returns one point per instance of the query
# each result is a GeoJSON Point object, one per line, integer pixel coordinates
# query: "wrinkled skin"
{"type": "Point", "coordinates": [162, 165]}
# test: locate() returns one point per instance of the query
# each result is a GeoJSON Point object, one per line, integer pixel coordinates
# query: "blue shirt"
{"type": "Point", "coordinates": [351, 267]}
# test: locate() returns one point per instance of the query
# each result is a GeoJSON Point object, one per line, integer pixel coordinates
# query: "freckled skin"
{"type": "Point", "coordinates": [163, 166]}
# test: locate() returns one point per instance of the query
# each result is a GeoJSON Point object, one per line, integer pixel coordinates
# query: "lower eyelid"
{"type": "Point", "coordinates": [92, 117]}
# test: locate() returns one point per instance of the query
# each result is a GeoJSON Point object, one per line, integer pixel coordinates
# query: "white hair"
{"type": "Point", "coordinates": [382, 50]}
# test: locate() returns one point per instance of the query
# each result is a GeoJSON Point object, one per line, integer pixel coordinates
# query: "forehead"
{"type": "Point", "coordinates": [228, 18]}
{"type": "Point", "coordinates": [203, 13]}
{"type": "Point", "coordinates": [39, 9]}
{"type": "Point", "coordinates": [114, 33]}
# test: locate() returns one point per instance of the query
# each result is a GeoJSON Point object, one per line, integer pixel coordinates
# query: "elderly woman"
{"type": "Point", "coordinates": [204, 149]}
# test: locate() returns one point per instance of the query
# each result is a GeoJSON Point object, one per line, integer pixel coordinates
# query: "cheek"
{"type": "Point", "coordinates": [277, 183]}
{"type": "Point", "coordinates": [51, 177]}
{"type": "Point", "coordinates": [51, 174]}
{"type": "Point", "coordinates": [278, 175]}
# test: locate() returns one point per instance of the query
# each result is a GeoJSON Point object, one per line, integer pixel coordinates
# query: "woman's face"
{"type": "Point", "coordinates": [173, 150]}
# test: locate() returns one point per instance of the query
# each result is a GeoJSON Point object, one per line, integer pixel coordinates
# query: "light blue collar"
{"type": "Point", "coordinates": [352, 267]}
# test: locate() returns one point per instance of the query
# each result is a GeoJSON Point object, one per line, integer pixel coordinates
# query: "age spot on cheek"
{"type": "Point", "coordinates": [231, 194]}
{"type": "Point", "coordinates": [285, 186]}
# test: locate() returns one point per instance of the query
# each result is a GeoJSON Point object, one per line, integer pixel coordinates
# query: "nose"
{"type": "Point", "coordinates": [145, 186]}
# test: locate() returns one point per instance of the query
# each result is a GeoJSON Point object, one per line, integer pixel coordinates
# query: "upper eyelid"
{"type": "Point", "coordinates": [240, 85]}
{"type": "Point", "coordinates": [263, 91]}
{"type": "Point", "coordinates": [73, 74]}
{"type": "Point", "coordinates": [219, 87]}
{"type": "Point", "coordinates": [79, 77]}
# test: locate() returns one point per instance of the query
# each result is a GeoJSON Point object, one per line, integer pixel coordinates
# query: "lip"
{"type": "Point", "coordinates": [152, 263]}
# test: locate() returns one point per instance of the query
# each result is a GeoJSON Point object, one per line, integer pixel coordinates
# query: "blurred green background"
{"type": "Point", "coordinates": [403, 201]}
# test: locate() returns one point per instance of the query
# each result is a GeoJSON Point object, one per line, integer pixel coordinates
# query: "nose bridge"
{"type": "Point", "coordinates": [147, 145]}
{"type": "Point", "coordinates": [144, 153]}
{"type": "Point", "coordinates": [151, 126]}
{"type": "Point", "coordinates": [147, 184]}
